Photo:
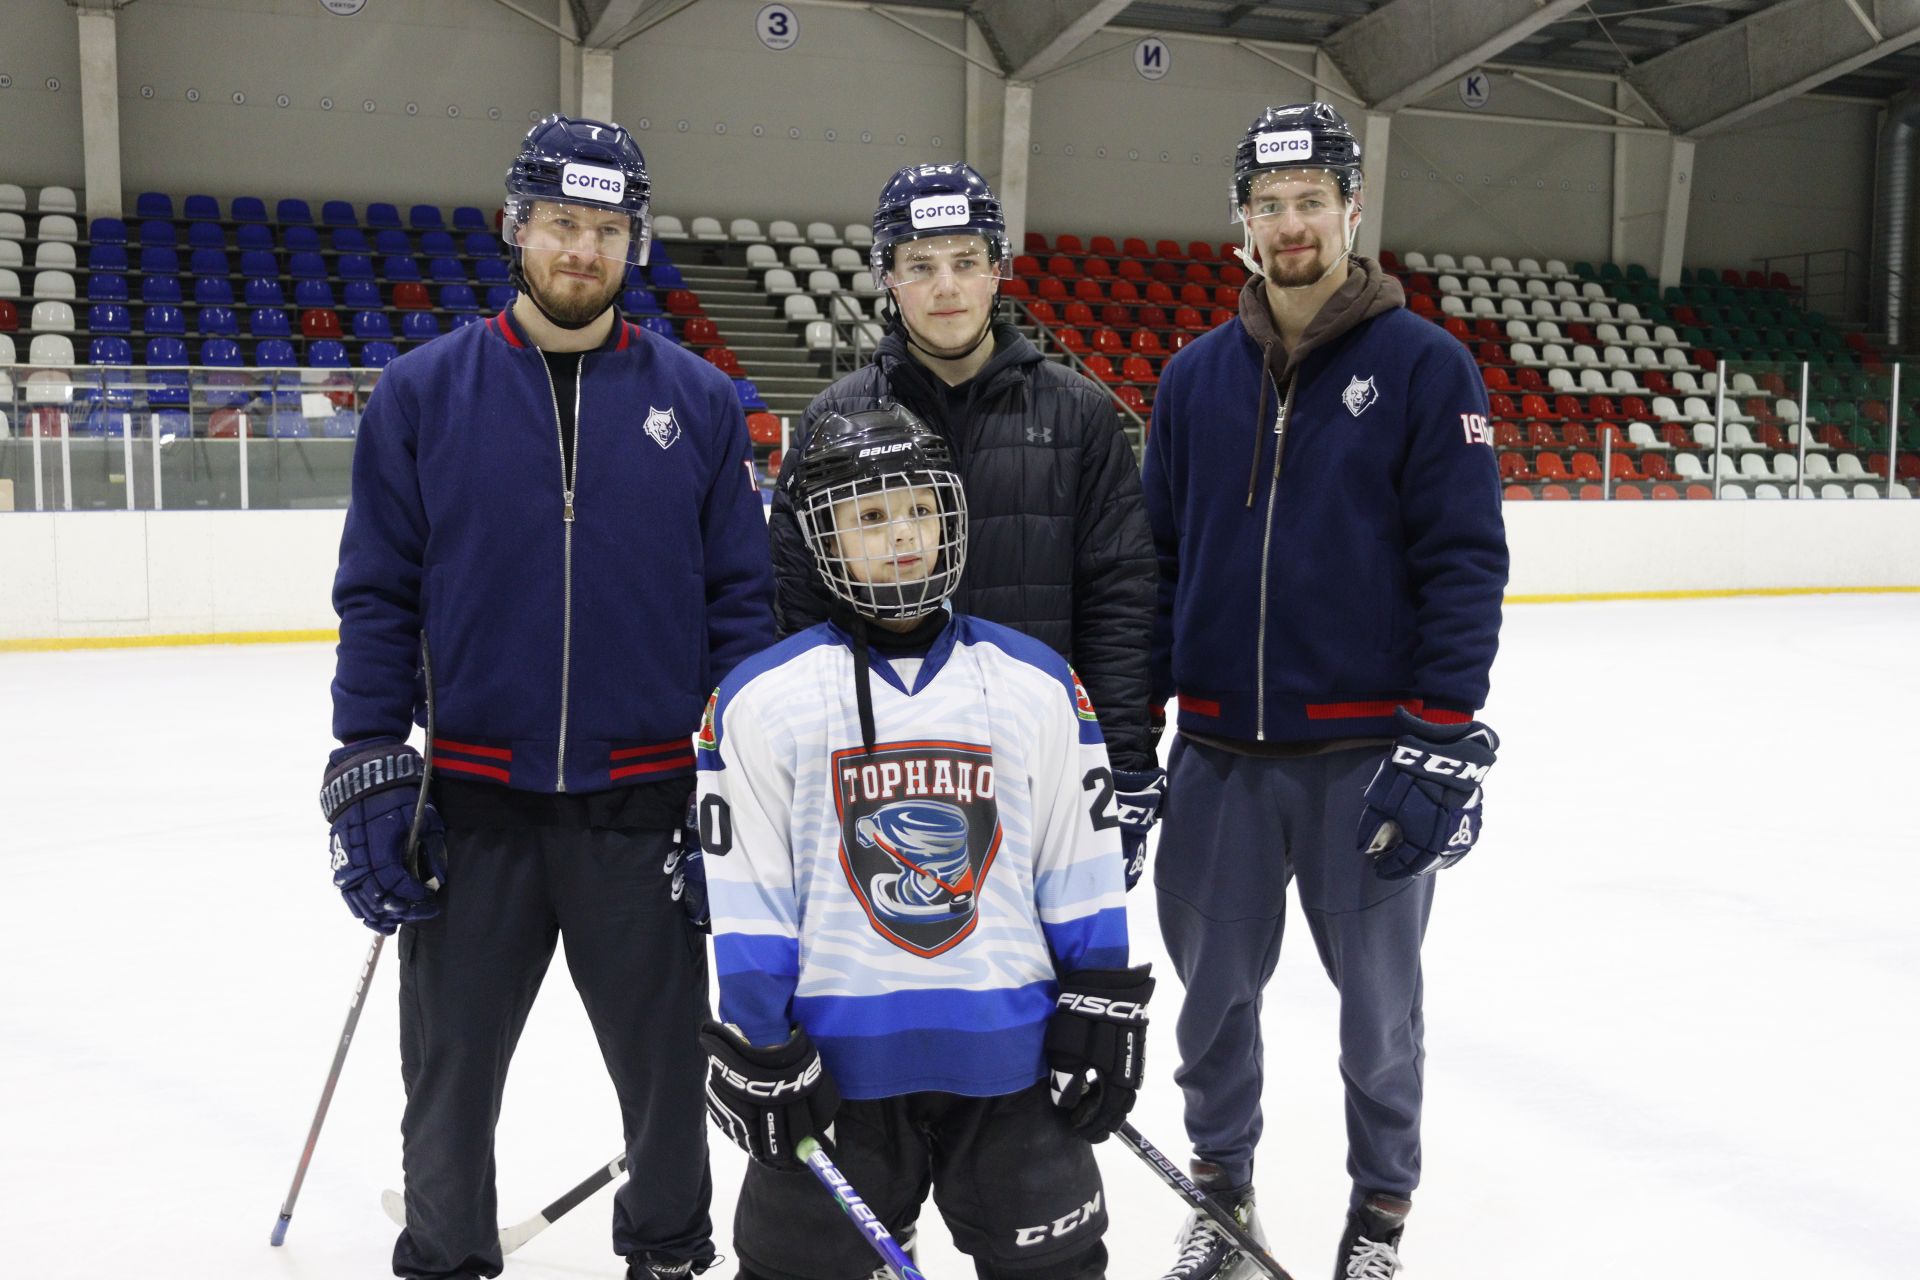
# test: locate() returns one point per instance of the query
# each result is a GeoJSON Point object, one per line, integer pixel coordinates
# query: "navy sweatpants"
{"type": "Point", "coordinates": [1234, 831]}
{"type": "Point", "coordinates": [467, 982]}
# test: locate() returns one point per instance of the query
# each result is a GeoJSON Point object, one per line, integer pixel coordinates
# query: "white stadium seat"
{"type": "Point", "coordinates": [745, 231]}
{"type": "Point", "coordinates": [668, 227]}
{"type": "Point", "coordinates": [780, 282]}
{"type": "Point", "coordinates": [58, 200]}
{"type": "Point", "coordinates": [823, 234]}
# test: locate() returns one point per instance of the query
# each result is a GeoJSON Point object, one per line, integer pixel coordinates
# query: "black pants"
{"type": "Point", "coordinates": [467, 981]}
{"type": "Point", "coordinates": [1019, 1190]}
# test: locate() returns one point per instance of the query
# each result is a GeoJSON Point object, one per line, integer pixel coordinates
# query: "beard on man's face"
{"type": "Point", "coordinates": [569, 299]}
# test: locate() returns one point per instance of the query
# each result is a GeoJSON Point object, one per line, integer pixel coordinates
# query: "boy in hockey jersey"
{"type": "Point", "coordinates": [918, 898]}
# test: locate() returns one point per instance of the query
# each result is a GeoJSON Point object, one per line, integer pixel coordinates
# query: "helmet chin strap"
{"type": "Point", "coordinates": [518, 279]}
{"type": "Point", "coordinates": [1245, 254]}
{"type": "Point", "coordinates": [912, 340]}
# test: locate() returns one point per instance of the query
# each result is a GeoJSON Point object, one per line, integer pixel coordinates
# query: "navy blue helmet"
{"type": "Point", "coordinates": [580, 162]}
{"type": "Point", "coordinates": [937, 200]}
{"type": "Point", "coordinates": [1306, 135]}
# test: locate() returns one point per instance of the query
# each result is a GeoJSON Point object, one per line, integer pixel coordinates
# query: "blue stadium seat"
{"type": "Point", "coordinates": [264, 293]}
{"type": "Point", "coordinates": [163, 289]}
{"type": "Point", "coordinates": [377, 355]}
{"type": "Point", "coordinates": [174, 423]}
{"type": "Point", "coordinates": [660, 325]}
{"type": "Point", "coordinates": [109, 417]}
{"type": "Point", "coordinates": [349, 240]}
{"type": "Point", "coordinates": [459, 297]}
{"type": "Point", "coordinates": [468, 218]}
{"type": "Point", "coordinates": [500, 297]}
{"type": "Point", "coordinates": [156, 231]}
{"type": "Point", "coordinates": [109, 317]}
{"type": "Point", "coordinates": [159, 260]}
{"type": "Point", "coordinates": [249, 209]}
{"type": "Point", "coordinates": [392, 242]}
{"type": "Point", "coordinates": [274, 353]}
{"type": "Point", "coordinates": [224, 353]}
{"type": "Point", "coordinates": [307, 266]}
{"type": "Point", "coordinates": [259, 264]}
{"type": "Point", "coordinates": [640, 302]}
{"type": "Point", "coordinates": [221, 353]}
{"type": "Point", "coordinates": [371, 324]}
{"type": "Point", "coordinates": [300, 240]}
{"type": "Point", "coordinates": [163, 318]}
{"type": "Point", "coordinates": [361, 295]}
{"type": "Point", "coordinates": [353, 266]}
{"type": "Point", "coordinates": [106, 286]}
{"type": "Point", "coordinates": [343, 425]}
{"type": "Point", "coordinates": [664, 275]}
{"type": "Point", "coordinates": [437, 244]}
{"type": "Point", "coordinates": [206, 235]}
{"type": "Point", "coordinates": [491, 271]}
{"type": "Point", "coordinates": [308, 294]}
{"type": "Point", "coordinates": [425, 217]}
{"type": "Point", "coordinates": [292, 210]}
{"type": "Point", "coordinates": [211, 291]}
{"type": "Point", "coordinates": [483, 244]}
{"type": "Point", "coordinates": [461, 319]}
{"type": "Point", "coordinates": [106, 257]}
{"type": "Point", "coordinates": [166, 351]}
{"type": "Point", "coordinates": [338, 213]}
{"type": "Point", "coordinates": [269, 322]}
{"type": "Point", "coordinates": [107, 231]}
{"type": "Point", "coordinates": [749, 395]}
{"type": "Point", "coordinates": [399, 268]}
{"type": "Point", "coordinates": [446, 271]}
{"type": "Point", "coordinates": [382, 215]}
{"type": "Point", "coordinates": [208, 262]}
{"type": "Point", "coordinates": [168, 381]}
{"type": "Point", "coordinates": [288, 424]}
{"type": "Point", "coordinates": [254, 235]}
{"type": "Point", "coordinates": [153, 204]}
{"type": "Point", "coordinates": [418, 326]}
{"type": "Point", "coordinates": [326, 353]}
{"type": "Point", "coordinates": [110, 351]}
{"type": "Point", "coordinates": [218, 322]}
{"type": "Point", "coordinates": [202, 209]}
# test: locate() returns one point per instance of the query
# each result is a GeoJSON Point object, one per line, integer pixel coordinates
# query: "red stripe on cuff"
{"type": "Point", "coordinates": [1200, 706]}
{"type": "Point", "coordinates": [467, 766]}
{"type": "Point", "coordinates": [658, 748]}
{"type": "Point", "coordinates": [467, 748]}
{"type": "Point", "coordinates": [657, 766]}
{"type": "Point", "coordinates": [1360, 710]}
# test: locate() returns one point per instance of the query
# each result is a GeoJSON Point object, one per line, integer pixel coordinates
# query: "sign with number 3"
{"type": "Point", "coordinates": [777, 27]}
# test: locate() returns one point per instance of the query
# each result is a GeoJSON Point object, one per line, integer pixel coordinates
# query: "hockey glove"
{"type": "Point", "coordinates": [687, 868]}
{"type": "Point", "coordinates": [1096, 1047]}
{"type": "Point", "coordinates": [1422, 809]}
{"type": "Point", "coordinates": [368, 796]}
{"type": "Point", "coordinates": [767, 1100]}
{"type": "Point", "coordinates": [1136, 799]}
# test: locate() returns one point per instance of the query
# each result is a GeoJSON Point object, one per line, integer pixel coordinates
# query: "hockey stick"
{"type": "Point", "coordinates": [519, 1233]}
{"type": "Point", "coordinates": [898, 1264]}
{"type": "Point", "coordinates": [1169, 1173]}
{"type": "Point", "coordinates": [411, 857]}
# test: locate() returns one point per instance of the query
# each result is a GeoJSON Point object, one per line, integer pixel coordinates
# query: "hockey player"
{"type": "Point", "coordinates": [1061, 545]}
{"type": "Point", "coordinates": [918, 897]}
{"type": "Point", "coordinates": [560, 502]}
{"type": "Point", "coordinates": [1326, 509]}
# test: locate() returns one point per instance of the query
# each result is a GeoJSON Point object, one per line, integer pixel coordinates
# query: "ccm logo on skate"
{"type": "Point", "coordinates": [767, 1088]}
{"type": "Point", "coordinates": [1101, 1007]}
{"type": "Point", "coordinates": [1277, 148]}
{"type": "Point", "coordinates": [1027, 1237]}
{"type": "Point", "coordinates": [938, 211]}
{"type": "Point", "coordinates": [593, 182]}
{"type": "Point", "coordinates": [1445, 766]}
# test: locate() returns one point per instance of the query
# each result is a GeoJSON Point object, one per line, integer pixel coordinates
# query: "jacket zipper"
{"type": "Point", "coordinates": [1266, 552]}
{"type": "Point", "coordinates": [567, 482]}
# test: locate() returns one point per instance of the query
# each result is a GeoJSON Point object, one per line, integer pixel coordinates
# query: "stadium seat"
{"type": "Point", "coordinates": [372, 324]}
{"type": "Point", "coordinates": [501, 296]}
{"type": "Point", "coordinates": [299, 239]}
{"type": "Point", "coordinates": [392, 242]}
{"type": "Point", "coordinates": [749, 395]}
{"type": "Point", "coordinates": [164, 319]}
{"type": "Point", "coordinates": [269, 322]}
{"type": "Point", "coordinates": [383, 215]}
{"type": "Point", "coordinates": [259, 264]}
{"type": "Point", "coordinates": [51, 255]}
{"type": "Point", "coordinates": [312, 293]}
{"type": "Point", "coordinates": [316, 323]}
{"type": "Point", "coordinates": [446, 271]}
{"type": "Point", "coordinates": [218, 322]}
{"type": "Point", "coordinates": [467, 217]}
{"type": "Point", "coordinates": [725, 361]}
{"type": "Point", "coordinates": [263, 293]}
{"type": "Point", "coordinates": [491, 271]}
{"type": "Point", "coordinates": [763, 428]}
{"type": "Point", "coordinates": [419, 326]}
{"type": "Point", "coordinates": [254, 235]}
{"type": "Point", "coordinates": [50, 315]}
{"type": "Point", "coordinates": [378, 355]}
{"type": "Point", "coordinates": [458, 297]}
{"type": "Point", "coordinates": [306, 266]}
{"type": "Point", "coordinates": [290, 210]}
{"type": "Point", "coordinates": [397, 267]}
{"type": "Point", "coordinates": [208, 291]}
{"type": "Point", "coordinates": [425, 217]}
{"type": "Point", "coordinates": [106, 286]}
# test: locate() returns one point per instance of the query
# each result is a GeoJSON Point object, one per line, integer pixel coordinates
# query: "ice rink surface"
{"type": "Point", "coordinates": [1671, 1019]}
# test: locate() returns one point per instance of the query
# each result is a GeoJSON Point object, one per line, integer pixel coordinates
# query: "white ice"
{"type": "Point", "coordinates": [1671, 1024]}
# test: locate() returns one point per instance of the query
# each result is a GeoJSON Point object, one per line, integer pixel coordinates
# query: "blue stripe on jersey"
{"type": "Point", "coordinates": [1026, 649]}
{"type": "Point", "coordinates": [1085, 881]}
{"type": "Point", "coordinates": [974, 1064]}
{"type": "Point", "coordinates": [950, 1008]}
{"type": "Point", "coordinates": [1098, 941]}
{"type": "Point", "coordinates": [757, 978]}
{"type": "Point", "coordinates": [775, 655]}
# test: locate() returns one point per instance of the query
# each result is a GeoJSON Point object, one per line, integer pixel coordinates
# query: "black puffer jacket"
{"type": "Point", "coordinates": [1057, 544]}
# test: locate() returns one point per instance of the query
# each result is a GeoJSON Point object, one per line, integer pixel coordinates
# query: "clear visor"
{"type": "Point", "coordinates": [893, 546]}
{"type": "Point", "coordinates": [953, 258]}
{"type": "Point", "coordinates": [585, 230]}
{"type": "Point", "coordinates": [1312, 195]}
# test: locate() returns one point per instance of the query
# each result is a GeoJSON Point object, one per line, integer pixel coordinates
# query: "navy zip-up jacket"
{"type": "Point", "coordinates": [574, 643]}
{"type": "Point", "coordinates": [1305, 597]}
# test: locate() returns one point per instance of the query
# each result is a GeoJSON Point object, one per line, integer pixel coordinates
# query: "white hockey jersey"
{"type": "Point", "coordinates": [914, 907]}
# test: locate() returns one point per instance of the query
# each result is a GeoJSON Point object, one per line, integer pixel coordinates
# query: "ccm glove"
{"type": "Point", "coordinates": [1096, 1047]}
{"type": "Point", "coordinates": [1422, 809]}
{"type": "Point", "coordinates": [686, 867]}
{"type": "Point", "coordinates": [1136, 800]}
{"type": "Point", "coordinates": [767, 1100]}
{"type": "Point", "coordinates": [368, 796]}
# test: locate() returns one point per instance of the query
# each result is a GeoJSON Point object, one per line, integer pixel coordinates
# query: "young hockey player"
{"type": "Point", "coordinates": [917, 889]}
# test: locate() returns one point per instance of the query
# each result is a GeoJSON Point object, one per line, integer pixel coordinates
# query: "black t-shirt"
{"type": "Point", "coordinates": [565, 368]}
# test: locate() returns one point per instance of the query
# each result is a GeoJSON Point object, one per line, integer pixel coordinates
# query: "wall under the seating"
{"type": "Point", "coordinates": [139, 574]}
{"type": "Point", "coordinates": [39, 126]}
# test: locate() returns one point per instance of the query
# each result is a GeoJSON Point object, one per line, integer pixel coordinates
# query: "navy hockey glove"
{"type": "Point", "coordinates": [1423, 806]}
{"type": "Point", "coordinates": [1096, 1047]}
{"type": "Point", "coordinates": [1136, 800]}
{"type": "Point", "coordinates": [767, 1100]}
{"type": "Point", "coordinates": [687, 868]}
{"type": "Point", "coordinates": [368, 796]}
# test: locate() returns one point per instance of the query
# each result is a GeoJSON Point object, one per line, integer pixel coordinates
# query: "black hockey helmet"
{"type": "Point", "coordinates": [937, 200]}
{"type": "Point", "coordinates": [1306, 135]}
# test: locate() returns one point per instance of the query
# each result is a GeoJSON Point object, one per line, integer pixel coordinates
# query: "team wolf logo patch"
{"type": "Point", "coordinates": [661, 426]}
{"type": "Point", "coordinates": [1359, 396]}
{"type": "Point", "coordinates": [919, 830]}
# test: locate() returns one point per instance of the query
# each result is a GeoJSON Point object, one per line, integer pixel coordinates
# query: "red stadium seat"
{"type": "Point", "coordinates": [1225, 295]}
{"type": "Point", "coordinates": [725, 361]}
{"type": "Point", "coordinates": [1035, 242]}
{"type": "Point", "coordinates": [1115, 316]}
{"type": "Point", "coordinates": [1102, 368]}
{"type": "Point", "coordinates": [1160, 293]}
{"type": "Point", "coordinates": [1071, 340]}
{"type": "Point", "coordinates": [1061, 265]}
{"type": "Point", "coordinates": [1695, 492]}
{"type": "Point", "coordinates": [1575, 434]}
{"type": "Point", "coordinates": [1541, 436]}
{"type": "Point", "coordinates": [1233, 274]}
{"type": "Point", "coordinates": [411, 295]}
{"type": "Point", "coordinates": [1089, 291]}
{"type": "Point", "coordinates": [317, 323]}
{"type": "Point", "coordinates": [1194, 295]}
{"type": "Point", "coordinates": [1079, 313]}
{"type": "Point", "coordinates": [9, 317]}
{"type": "Point", "coordinates": [1549, 466]}
{"type": "Point", "coordinates": [1108, 342]}
{"type": "Point", "coordinates": [1053, 289]}
{"type": "Point", "coordinates": [1533, 406]}
{"type": "Point", "coordinates": [682, 302]}
{"type": "Point", "coordinates": [1133, 398]}
{"type": "Point", "coordinates": [1138, 369]}
{"type": "Point", "coordinates": [1135, 247]}
{"type": "Point", "coordinates": [1222, 315]}
{"type": "Point", "coordinates": [1496, 379]}
{"type": "Point", "coordinates": [763, 428]}
{"type": "Point", "coordinates": [1026, 265]}
{"type": "Point", "coordinates": [1198, 250]}
{"type": "Point", "coordinates": [1555, 493]}
{"type": "Point", "coordinates": [1585, 466]}
{"type": "Point", "coordinates": [1130, 269]}
{"type": "Point", "coordinates": [1098, 268]}
{"type": "Point", "coordinates": [1103, 246]}
{"type": "Point", "coordinates": [1153, 318]}
{"type": "Point", "coordinates": [1591, 493]}
{"type": "Point", "coordinates": [1016, 288]}
{"type": "Point", "coordinates": [1517, 493]}
{"type": "Point", "coordinates": [1503, 406]}
{"type": "Point", "coordinates": [774, 462]}
{"type": "Point", "coordinates": [1199, 273]}
{"type": "Point", "coordinates": [1146, 343]}
{"type": "Point", "coordinates": [701, 332]}
{"type": "Point", "coordinates": [1665, 493]}
{"type": "Point", "coordinates": [1190, 318]}
{"type": "Point", "coordinates": [1068, 244]}
{"type": "Point", "coordinates": [1169, 249]}
{"type": "Point", "coordinates": [1042, 312]}
{"type": "Point", "coordinates": [1124, 291]}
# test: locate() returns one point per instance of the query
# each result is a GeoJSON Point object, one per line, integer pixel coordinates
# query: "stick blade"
{"type": "Point", "coordinates": [280, 1230]}
{"type": "Point", "coordinates": [519, 1233]}
{"type": "Point", "coordinates": [395, 1205]}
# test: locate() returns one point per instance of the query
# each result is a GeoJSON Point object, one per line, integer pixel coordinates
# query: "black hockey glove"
{"type": "Point", "coordinates": [368, 796]}
{"type": "Point", "coordinates": [1096, 1047]}
{"type": "Point", "coordinates": [1136, 801]}
{"type": "Point", "coordinates": [687, 868]}
{"type": "Point", "coordinates": [767, 1100]}
{"type": "Point", "coordinates": [1423, 806]}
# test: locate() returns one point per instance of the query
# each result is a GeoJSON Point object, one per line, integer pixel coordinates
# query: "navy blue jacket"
{"type": "Point", "coordinates": [1367, 575]}
{"type": "Point", "coordinates": [573, 650]}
